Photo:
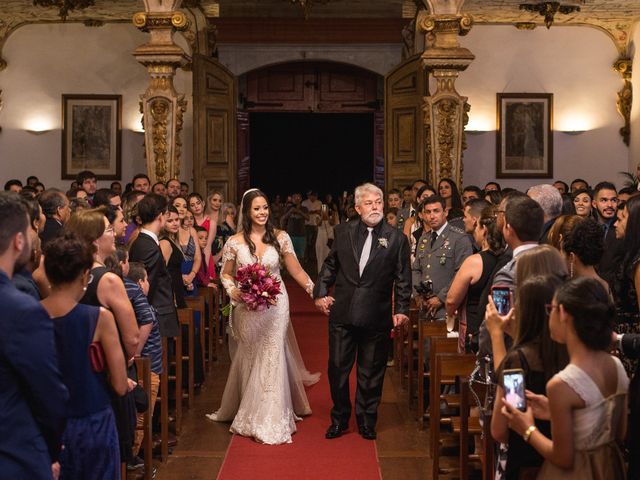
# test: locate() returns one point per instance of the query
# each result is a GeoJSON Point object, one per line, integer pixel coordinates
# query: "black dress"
{"type": "Point", "coordinates": [174, 267]}
{"type": "Point", "coordinates": [474, 315]}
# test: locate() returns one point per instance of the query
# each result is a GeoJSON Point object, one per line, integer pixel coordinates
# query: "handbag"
{"type": "Point", "coordinates": [96, 357]}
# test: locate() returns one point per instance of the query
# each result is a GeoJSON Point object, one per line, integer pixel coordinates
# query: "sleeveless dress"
{"type": "Point", "coordinates": [90, 438]}
{"type": "Point", "coordinates": [264, 395]}
{"type": "Point", "coordinates": [595, 429]}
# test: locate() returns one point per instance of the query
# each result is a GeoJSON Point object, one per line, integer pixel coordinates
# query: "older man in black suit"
{"type": "Point", "coordinates": [367, 260]}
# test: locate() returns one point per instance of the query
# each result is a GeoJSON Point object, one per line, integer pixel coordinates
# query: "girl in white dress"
{"type": "Point", "coordinates": [587, 401]}
{"type": "Point", "coordinates": [264, 395]}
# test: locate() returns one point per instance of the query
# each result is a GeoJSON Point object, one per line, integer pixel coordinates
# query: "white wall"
{"type": "Point", "coordinates": [573, 63]}
{"type": "Point", "coordinates": [46, 61]}
{"type": "Point", "coordinates": [634, 146]}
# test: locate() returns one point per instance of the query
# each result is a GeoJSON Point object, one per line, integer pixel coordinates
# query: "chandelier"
{"type": "Point", "coordinates": [549, 10]}
{"type": "Point", "coordinates": [65, 6]}
{"type": "Point", "coordinates": [308, 4]}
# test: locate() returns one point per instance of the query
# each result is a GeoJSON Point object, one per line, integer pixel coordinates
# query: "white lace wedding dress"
{"type": "Point", "coordinates": [264, 395]}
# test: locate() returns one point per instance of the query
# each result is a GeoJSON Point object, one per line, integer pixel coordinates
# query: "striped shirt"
{"type": "Point", "coordinates": [146, 314]}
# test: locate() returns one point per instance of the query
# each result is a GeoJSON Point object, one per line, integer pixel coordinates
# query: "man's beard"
{"type": "Point", "coordinates": [373, 218]}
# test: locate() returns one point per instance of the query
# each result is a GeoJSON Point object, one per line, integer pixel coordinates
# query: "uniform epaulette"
{"type": "Point", "coordinates": [457, 230]}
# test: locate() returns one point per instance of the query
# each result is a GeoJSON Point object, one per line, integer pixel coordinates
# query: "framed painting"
{"type": "Point", "coordinates": [524, 135]}
{"type": "Point", "coordinates": [91, 135]}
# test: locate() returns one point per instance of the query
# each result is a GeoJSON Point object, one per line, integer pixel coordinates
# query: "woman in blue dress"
{"type": "Point", "coordinates": [91, 361]}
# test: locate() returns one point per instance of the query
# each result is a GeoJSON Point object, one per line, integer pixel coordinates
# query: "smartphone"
{"type": "Point", "coordinates": [514, 388]}
{"type": "Point", "coordinates": [501, 298]}
{"type": "Point", "coordinates": [324, 208]}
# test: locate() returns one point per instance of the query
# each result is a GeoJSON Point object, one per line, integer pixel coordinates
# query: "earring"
{"type": "Point", "coordinates": [84, 289]}
{"type": "Point", "coordinates": [571, 266]}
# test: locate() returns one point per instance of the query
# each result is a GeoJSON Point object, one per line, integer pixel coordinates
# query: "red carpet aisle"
{"type": "Point", "coordinates": [310, 456]}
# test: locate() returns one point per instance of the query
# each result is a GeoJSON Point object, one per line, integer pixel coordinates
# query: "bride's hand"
{"type": "Point", "coordinates": [236, 295]}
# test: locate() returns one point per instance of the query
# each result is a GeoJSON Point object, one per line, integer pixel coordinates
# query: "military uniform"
{"type": "Point", "coordinates": [440, 262]}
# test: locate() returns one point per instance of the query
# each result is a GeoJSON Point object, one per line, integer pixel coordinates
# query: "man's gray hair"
{"type": "Point", "coordinates": [365, 189]}
{"type": "Point", "coordinates": [549, 198]}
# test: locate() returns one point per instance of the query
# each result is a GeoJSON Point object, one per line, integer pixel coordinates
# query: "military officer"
{"type": "Point", "coordinates": [439, 254]}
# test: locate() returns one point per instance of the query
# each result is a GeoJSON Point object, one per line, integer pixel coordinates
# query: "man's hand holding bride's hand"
{"type": "Point", "coordinates": [400, 319]}
{"type": "Point", "coordinates": [324, 304]}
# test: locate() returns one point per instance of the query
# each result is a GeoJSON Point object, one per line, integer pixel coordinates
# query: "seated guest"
{"type": "Point", "coordinates": [539, 357]}
{"type": "Point", "coordinates": [55, 206]}
{"type": "Point", "coordinates": [586, 401]}
{"type": "Point", "coordinates": [582, 200]}
{"type": "Point", "coordinates": [32, 393]}
{"type": "Point", "coordinates": [137, 284]}
{"type": "Point", "coordinates": [90, 438]}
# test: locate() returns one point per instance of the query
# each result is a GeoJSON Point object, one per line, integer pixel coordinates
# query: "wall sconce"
{"type": "Point", "coordinates": [574, 124]}
{"type": "Point", "coordinates": [572, 132]}
{"type": "Point", "coordinates": [479, 124]}
{"type": "Point", "coordinates": [39, 125]}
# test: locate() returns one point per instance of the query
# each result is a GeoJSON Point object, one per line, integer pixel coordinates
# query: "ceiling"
{"type": "Point", "coordinates": [616, 17]}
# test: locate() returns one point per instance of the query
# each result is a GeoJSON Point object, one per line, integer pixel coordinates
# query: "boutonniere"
{"type": "Point", "coordinates": [383, 242]}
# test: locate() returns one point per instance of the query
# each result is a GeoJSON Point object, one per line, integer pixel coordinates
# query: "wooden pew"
{"type": "Point", "coordinates": [426, 330]}
{"type": "Point", "coordinates": [143, 366]}
{"type": "Point", "coordinates": [197, 304]}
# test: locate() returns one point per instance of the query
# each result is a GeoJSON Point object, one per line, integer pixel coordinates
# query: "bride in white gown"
{"type": "Point", "coordinates": [264, 395]}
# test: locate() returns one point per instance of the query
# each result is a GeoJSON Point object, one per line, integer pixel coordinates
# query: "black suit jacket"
{"type": "Point", "coordinates": [366, 301]}
{"type": "Point", "coordinates": [51, 229]}
{"type": "Point", "coordinates": [144, 249]}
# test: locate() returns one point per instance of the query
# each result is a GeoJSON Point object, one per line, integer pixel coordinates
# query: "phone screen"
{"type": "Point", "coordinates": [514, 389]}
{"type": "Point", "coordinates": [501, 299]}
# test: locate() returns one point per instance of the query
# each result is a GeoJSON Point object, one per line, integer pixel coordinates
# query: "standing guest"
{"type": "Point", "coordinates": [172, 254]}
{"type": "Point", "coordinates": [549, 198]}
{"type": "Point", "coordinates": [197, 208]}
{"type": "Point", "coordinates": [538, 356]}
{"type": "Point", "coordinates": [392, 217]}
{"type": "Point", "coordinates": [159, 189]}
{"type": "Point", "coordinates": [579, 184]}
{"type": "Point", "coordinates": [414, 225]}
{"type": "Point", "coordinates": [180, 203]}
{"type": "Point", "coordinates": [409, 210]}
{"type": "Point", "coordinates": [106, 197]}
{"type": "Point", "coordinates": [394, 198]}
{"type": "Point", "coordinates": [406, 197]}
{"type": "Point", "coordinates": [582, 200]}
{"type": "Point", "coordinates": [605, 204]}
{"type": "Point", "coordinates": [563, 225]}
{"type": "Point", "coordinates": [221, 227]}
{"type": "Point", "coordinates": [73, 185]}
{"type": "Point", "coordinates": [207, 273]}
{"type": "Point", "coordinates": [314, 209]}
{"type": "Point", "coordinates": [136, 282]}
{"type": "Point", "coordinates": [494, 197]}
{"type": "Point", "coordinates": [473, 209]}
{"type": "Point", "coordinates": [173, 189]}
{"type": "Point", "coordinates": [331, 205]}
{"type": "Point", "coordinates": [562, 187]}
{"type": "Point", "coordinates": [586, 401]}
{"type": "Point", "coordinates": [277, 209]}
{"type": "Point", "coordinates": [87, 182]}
{"type": "Point", "coordinates": [32, 392]}
{"type": "Point", "coordinates": [188, 239]}
{"type": "Point", "coordinates": [32, 181]}
{"type": "Point", "coordinates": [146, 249]}
{"type": "Point", "coordinates": [324, 239]}
{"type": "Point", "coordinates": [582, 249]}
{"type": "Point", "coordinates": [30, 279]}
{"type": "Point", "coordinates": [470, 192]}
{"type": "Point", "coordinates": [129, 202]}
{"type": "Point", "coordinates": [39, 188]}
{"type": "Point", "coordinates": [359, 320]}
{"type": "Point", "coordinates": [491, 186]}
{"type": "Point", "coordinates": [293, 222]}
{"type": "Point", "coordinates": [624, 194]}
{"type": "Point", "coordinates": [230, 215]}
{"type": "Point", "coordinates": [55, 206]}
{"type": "Point", "coordinates": [439, 256]}
{"type": "Point", "coordinates": [116, 187]}
{"type": "Point", "coordinates": [184, 189]}
{"type": "Point", "coordinates": [77, 193]}
{"type": "Point", "coordinates": [568, 208]}
{"type": "Point", "coordinates": [90, 439]}
{"type": "Point", "coordinates": [141, 183]}
{"type": "Point", "coordinates": [475, 272]}
{"type": "Point", "coordinates": [116, 220]}
{"type": "Point", "coordinates": [448, 190]}
{"type": "Point", "coordinates": [13, 186]}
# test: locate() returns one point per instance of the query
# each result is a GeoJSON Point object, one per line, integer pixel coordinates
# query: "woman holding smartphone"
{"type": "Point", "coordinates": [537, 357]}
{"type": "Point", "coordinates": [587, 401]}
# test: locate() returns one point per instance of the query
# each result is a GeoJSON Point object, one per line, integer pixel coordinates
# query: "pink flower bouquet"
{"type": "Point", "coordinates": [258, 286]}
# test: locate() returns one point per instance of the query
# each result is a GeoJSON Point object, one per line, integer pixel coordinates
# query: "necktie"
{"type": "Point", "coordinates": [366, 250]}
{"type": "Point", "coordinates": [434, 235]}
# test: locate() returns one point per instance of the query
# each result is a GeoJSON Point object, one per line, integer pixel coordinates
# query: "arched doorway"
{"type": "Point", "coordinates": [312, 125]}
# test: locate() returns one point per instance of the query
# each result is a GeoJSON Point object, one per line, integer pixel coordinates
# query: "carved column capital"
{"type": "Point", "coordinates": [445, 28]}
{"type": "Point", "coordinates": [624, 66]}
{"type": "Point", "coordinates": [624, 101]}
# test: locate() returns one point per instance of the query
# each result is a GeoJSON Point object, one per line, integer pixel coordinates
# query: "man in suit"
{"type": "Point", "coordinates": [32, 394]}
{"type": "Point", "coordinates": [56, 209]}
{"type": "Point", "coordinates": [410, 210]}
{"type": "Point", "coordinates": [439, 254]}
{"type": "Point", "coordinates": [146, 249]}
{"type": "Point", "coordinates": [605, 203]}
{"type": "Point", "coordinates": [368, 259]}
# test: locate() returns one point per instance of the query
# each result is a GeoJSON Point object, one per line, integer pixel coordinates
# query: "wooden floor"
{"type": "Point", "coordinates": [402, 448]}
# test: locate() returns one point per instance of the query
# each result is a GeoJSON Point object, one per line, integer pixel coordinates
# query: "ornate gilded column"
{"type": "Point", "coordinates": [625, 96]}
{"type": "Point", "coordinates": [162, 107]}
{"type": "Point", "coordinates": [445, 111]}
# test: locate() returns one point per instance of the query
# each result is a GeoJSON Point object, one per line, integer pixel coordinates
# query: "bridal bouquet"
{"type": "Point", "coordinates": [258, 286]}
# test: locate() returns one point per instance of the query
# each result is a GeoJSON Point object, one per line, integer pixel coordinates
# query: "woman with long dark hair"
{"type": "Point", "coordinates": [448, 190]}
{"type": "Point", "coordinates": [264, 395]}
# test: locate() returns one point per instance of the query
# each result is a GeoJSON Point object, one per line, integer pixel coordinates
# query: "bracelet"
{"type": "Point", "coordinates": [528, 432]}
